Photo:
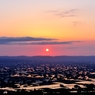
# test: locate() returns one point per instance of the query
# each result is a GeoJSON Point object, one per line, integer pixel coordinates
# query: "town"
{"type": "Point", "coordinates": [46, 77]}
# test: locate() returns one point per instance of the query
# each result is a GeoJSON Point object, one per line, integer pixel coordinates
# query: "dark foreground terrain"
{"type": "Point", "coordinates": [45, 75]}
{"type": "Point", "coordinates": [50, 92]}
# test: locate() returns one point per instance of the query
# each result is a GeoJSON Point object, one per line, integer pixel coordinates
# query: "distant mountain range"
{"type": "Point", "coordinates": [51, 58]}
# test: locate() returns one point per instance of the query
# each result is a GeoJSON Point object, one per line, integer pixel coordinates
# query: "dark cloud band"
{"type": "Point", "coordinates": [31, 41]}
{"type": "Point", "coordinates": [54, 43]}
{"type": "Point", "coordinates": [8, 40]}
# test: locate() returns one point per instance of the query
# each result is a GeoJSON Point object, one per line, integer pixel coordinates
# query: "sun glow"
{"type": "Point", "coordinates": [47, 49]}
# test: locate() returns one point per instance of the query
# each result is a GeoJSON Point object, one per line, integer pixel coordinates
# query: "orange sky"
{"type": "Point", "coordinates": [56, 19]}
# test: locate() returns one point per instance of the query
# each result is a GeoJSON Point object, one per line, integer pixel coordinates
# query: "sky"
{"type": "Point", "coordinates": [29, 27]}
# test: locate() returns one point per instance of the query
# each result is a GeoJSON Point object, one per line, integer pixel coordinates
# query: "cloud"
{"type": "Point", "coordinates": [32, 41]}
{"type": "Point", "coordinates": [47, 43]}
{"type": "Point", "coordinates": [9, 40]}
{"type": "Point", "coordinates": [75, 23]}
{"type": "Point", "coordinates": [54, 43]}
{"type": "Point", "coordinates": [68, 13]}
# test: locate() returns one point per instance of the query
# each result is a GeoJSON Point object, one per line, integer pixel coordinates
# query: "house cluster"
{"type": "Point", "coordinates": [41, 74]}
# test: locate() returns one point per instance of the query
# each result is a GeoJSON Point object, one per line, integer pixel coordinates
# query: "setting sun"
{"type": "Point", "coordinates": [47, 50]}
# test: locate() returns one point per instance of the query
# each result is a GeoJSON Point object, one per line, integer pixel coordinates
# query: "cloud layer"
{"type": "Point", "coordinates": [31, 41]}
{"type": "Point", "coordinates": [68, 13]}
{"type": "Point", "coordinates": [10, 40]}
{"type": "Point", "coordinates": [54, 43]}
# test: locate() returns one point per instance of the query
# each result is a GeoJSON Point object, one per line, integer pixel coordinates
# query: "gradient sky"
{"type": "Point", "coordinates": [28, 27]}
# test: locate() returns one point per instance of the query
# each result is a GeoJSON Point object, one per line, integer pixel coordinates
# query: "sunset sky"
{"type": "Point", "coordinates": [29, 27]}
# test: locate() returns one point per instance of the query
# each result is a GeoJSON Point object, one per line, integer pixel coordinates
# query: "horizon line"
{"type": "Point", "coordinates": [44, 55]}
